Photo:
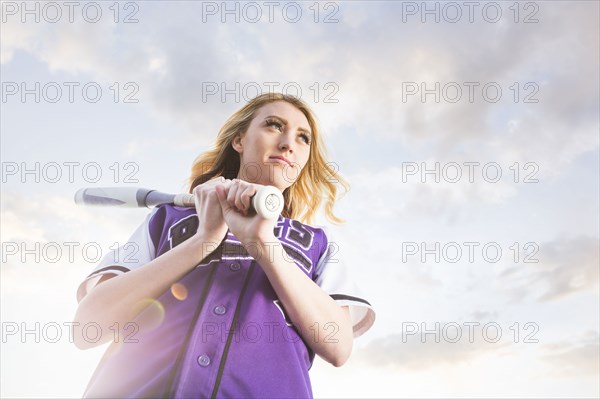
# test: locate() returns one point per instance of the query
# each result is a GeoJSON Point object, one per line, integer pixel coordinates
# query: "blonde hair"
{"type": "Point", "coordinates": [317, 183]}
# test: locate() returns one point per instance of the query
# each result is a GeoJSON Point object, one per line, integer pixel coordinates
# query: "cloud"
{"type": "Point", "coordinates": [421, 352]}
{"type": "Point", "coordinates": [484, 315]}
{"type": "Point", "coordinates": [580, 358]}
{"type": "Point", "coordinates": [372, 62]}
{"type": "Point", "coordinates": [45, 236]}
{"type": "Point", "coordinates": [46, 217]}
{"type": "Point", "coordinates": [566, 266]}
{"type": "Point", "coordinates": [394, 193]}
{"type": "Point", "coordinates": [566, 359]}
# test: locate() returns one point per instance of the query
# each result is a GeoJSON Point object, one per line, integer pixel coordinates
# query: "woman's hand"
{"type": "Point", "coordinates": [235, 200]}
{"type": "Point", "coordinates": [212, 226]}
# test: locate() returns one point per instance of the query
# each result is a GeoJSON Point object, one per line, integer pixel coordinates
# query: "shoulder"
{"type": "Point", "coordinates": [164, 218]}
{"type": "Point", "coordinates": [168, 214]}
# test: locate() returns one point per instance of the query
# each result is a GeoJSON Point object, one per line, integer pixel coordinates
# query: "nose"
{"type": "Point", "coordinates": [285, 143]}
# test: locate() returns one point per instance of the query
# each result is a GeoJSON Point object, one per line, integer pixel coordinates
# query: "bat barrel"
{"type": "Point", "coordinates": [112, 196]}
{"type": "Point", "coordinates": [155, 198]}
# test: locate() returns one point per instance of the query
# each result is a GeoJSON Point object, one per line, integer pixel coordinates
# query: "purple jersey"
{"type": "Point", "coordinates": [220, 331]}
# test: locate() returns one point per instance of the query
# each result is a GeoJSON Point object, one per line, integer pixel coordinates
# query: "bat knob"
{"type": "Point", "coordinates": [268, 202]}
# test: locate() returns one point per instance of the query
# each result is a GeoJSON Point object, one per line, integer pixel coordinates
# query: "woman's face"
{"type": "Point", "coordinates": [276, 146]}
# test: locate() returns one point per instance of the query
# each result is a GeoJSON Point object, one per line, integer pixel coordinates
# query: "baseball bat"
{"type": "Point", "coordinates": [267, 202]}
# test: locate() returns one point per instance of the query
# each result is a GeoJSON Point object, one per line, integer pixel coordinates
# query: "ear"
{"type": "Point", "coordinates": [237, 144]}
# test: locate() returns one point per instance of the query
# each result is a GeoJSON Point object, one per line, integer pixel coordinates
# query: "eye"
{"type": "Point", "coordinates": [305, 137]}
{"type": "Point", "coordinates": [273, 122]}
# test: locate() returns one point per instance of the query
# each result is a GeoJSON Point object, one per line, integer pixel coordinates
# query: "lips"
{"type": "Point", "coordinates": [281, 158]}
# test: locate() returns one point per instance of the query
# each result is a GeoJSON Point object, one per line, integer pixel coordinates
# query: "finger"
{"type": "Point", "coordinates": [246, 195]}
{"type": "Point", "coordinates": [222, 197]}
{"type": "Point", "coordinates": [209, 185]}
{"type": "Point", "coordinates": [232, 195]}
{"type": "Point", "coordinates": [226, 184]}
{"type": "Point", "coordinates": [242, 186]}
{"type": "Point", "coordinates": [214, 181]}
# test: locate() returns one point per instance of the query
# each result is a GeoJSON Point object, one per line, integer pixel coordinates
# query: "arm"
{"type": "Point", "coordinates": [304, 301]}
{"type": "Point", "coordinates": [117, 299]}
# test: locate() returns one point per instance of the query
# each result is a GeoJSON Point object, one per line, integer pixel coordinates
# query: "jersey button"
{"type": "Point", "coordinates": [234, 267]}
{"type": "Point", "coordinates": [204, 360]}
{"type": "Point", "coordinates": [220, 310]}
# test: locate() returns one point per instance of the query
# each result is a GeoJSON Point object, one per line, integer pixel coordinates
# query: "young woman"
{"type": "Point", "coordinates": [216, 301]}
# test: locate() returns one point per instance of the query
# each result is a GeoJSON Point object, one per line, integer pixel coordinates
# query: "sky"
{"type": "Point", "coordinates": [468, 131]}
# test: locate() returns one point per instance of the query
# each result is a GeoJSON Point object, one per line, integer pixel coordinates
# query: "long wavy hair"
{"type": "Point", "coordinates": [317, 183]}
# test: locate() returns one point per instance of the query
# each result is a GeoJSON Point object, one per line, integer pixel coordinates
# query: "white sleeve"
{"type": "Point", "coordinates": [136, 252]}
{"type": "Point", "coordinates": [333, 276]}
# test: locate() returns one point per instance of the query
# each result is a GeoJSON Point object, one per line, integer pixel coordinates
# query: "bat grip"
{"type": "Point", "coordinates": [184, 199]}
